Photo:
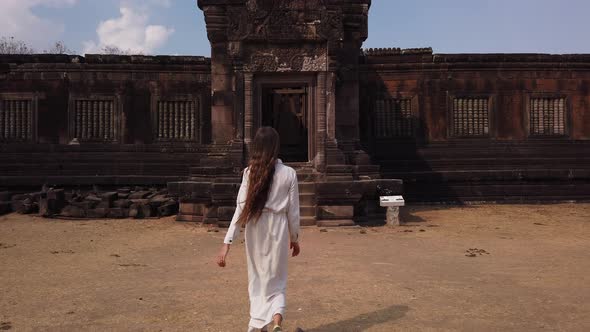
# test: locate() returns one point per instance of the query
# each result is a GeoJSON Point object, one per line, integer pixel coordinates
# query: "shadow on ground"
{"type": "Point", "coordinates": [364, 321]}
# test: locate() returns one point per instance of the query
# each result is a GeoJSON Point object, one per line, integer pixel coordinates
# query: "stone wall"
{"type": "Point", "coordinates": [112, 120]}
{"type": "Point", "coordinates": [471, 127]}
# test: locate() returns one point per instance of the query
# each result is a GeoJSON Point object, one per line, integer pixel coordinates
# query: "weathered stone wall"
{"type": "Point", "coordinates": [479, 126]}
{"type": "Point", "coordinates": [138, 119]}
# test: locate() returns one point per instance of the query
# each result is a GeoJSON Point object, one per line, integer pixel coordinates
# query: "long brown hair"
{"type": "Point", "coordinates": [264, 153]}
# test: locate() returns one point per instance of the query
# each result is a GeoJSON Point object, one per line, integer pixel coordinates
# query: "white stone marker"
{"type": "Point", "coordinates": [392, 203]}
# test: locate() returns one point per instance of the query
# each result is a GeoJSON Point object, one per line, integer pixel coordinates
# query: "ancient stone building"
{"type": "Point", "coordinates": [355, 123]}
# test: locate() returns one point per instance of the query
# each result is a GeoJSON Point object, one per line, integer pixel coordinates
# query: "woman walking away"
{"type": "Point", "coordinates": [268, 205]}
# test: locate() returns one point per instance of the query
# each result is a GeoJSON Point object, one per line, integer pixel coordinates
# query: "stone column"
{"type": "Point", "coordinates": [249, 125]}
{"type": "Point", "coordinates": [222, 97]}
{"type": "Point", "coordinates": [322, 122]}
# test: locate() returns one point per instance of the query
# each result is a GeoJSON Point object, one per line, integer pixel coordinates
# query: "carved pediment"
{"type": "Point", "coordinates": [285, 59]}
{"type": "Point", "coordinates": [285, 20]}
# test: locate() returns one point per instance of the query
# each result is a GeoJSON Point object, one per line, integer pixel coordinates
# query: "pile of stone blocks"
{"type": "Point", "coordinates": [20, 203]}
{"type": "Point", "coordinates": [118, 204]}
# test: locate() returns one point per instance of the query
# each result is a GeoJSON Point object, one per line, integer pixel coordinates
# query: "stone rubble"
{"type": "Point", "coordinates": [123, 203]}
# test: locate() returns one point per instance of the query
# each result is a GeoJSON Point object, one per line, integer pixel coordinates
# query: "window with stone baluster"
{"type": "Point", "coordinates": [470, 117]}
{"type": "Point", "coordinates": [393, 118]}
{"type": "Point", "coordinates": [547, 116]}
{"type": "Point", "coordinates": [18, 118]}
{"type": "Point", "coordinates": [176, 119]}
{"type": "Point", "coordinates": [94, 119]}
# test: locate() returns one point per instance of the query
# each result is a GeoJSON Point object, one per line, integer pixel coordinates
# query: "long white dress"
{"type": "Point", "coordinates": [267, 244]}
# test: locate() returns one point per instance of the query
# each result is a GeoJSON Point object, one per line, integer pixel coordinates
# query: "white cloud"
{"type": "Point", "coordinates": [18, 20]}
{"type": "Point", "coordinates": [130, 31]}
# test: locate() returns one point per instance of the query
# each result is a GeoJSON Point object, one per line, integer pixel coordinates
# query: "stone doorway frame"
{"type": "Point", "coordinates": [314, 82]}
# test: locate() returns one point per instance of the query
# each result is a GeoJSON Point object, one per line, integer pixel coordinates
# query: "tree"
{"type": "Point", "coordinates": [59, 48]}
{"type": "Point", "coordinates": [14, 46]}
{"type": "Point", "coordinates": [11, 45]}
{"type": "Point", "coordinates": [114, 50]}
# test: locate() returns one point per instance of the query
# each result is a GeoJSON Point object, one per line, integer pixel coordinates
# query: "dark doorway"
{"type": "Point", "coordinates": [285, 109]}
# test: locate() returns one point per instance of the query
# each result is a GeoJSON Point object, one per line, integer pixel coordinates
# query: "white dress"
{"type": "Point", "coordinates": [267, 244]}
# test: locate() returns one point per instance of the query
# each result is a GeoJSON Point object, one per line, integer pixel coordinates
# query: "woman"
{"type": "Point", "coordinates": [268, 205]}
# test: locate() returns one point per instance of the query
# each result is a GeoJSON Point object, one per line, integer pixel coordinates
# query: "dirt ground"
{"type": "Point", "coordinates": [530, 273]}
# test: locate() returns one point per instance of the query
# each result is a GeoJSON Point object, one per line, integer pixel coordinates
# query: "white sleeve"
{"type": "Point", "coordinates": [293, 210]}
{"type": "Point", "coordinates": [234, 228]}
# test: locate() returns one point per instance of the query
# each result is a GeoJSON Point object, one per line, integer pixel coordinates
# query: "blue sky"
{"type": "Point", "coordinates": [177, 26]}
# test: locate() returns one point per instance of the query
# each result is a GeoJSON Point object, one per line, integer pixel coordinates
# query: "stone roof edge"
{"type": "Point", "coordinates": [105, 59]}
{"type": "Point", "coordinates": [396, 51]}
{"type": "Point", "coordinates": [427, 55]}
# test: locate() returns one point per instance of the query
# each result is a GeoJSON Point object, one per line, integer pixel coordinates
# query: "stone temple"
{"type": "Point", "coordinates": [356, 123]}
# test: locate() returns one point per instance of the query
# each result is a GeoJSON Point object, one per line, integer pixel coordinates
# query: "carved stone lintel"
{"type": "Point", "coordinates": [286, 59]}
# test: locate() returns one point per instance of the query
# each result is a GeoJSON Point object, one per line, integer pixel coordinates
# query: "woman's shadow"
{"type": "Point", "coordinates": [363, 321]}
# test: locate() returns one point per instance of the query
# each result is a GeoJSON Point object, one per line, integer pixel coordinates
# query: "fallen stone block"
{"type": "Point", "coordinates": [139, 195]}
{"type": "Point", "coordinates": [135, 211]}
{"type": "Point", "coordinates": [93, 198]}
{"type": "Point", "coordinates": [122, 203]}
{"type": "Point", "coordinates": [85, 205]}
{"type": "Point", "coordinates": [16, 205]}
{"type": "Point", "coordinates": [52, 202]}
{"type": "Point", "coordinates": [104, 205]}
{"type": "Point", "coordinates": [97, 213]}
{"type": "Point", "coordinates": [109, 196]}
{"type": "Point", "coordinates": [158, 201]}
{"type": "Point", "coordinates": [140, 201]}
{"type": "Point", "coordinates": [168, 209]}
{"type": "Point", "coordinates": [27, 206]}
{"type": "Point", "coordinates": [118, 213]}
{"type": "Point", "coordinates": [56, 194]}
{"type": "Point", "coordinates": [124, 195]}
{"type": "Point", "coordinates": [147, 211]}
{"type": "Point", "coordinates": [73, 211]}
{"type": "Point", "coordinates": [124, 191]}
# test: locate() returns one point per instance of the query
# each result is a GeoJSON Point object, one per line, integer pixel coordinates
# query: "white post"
{"type": "Point", "coordinates": [393, 204]}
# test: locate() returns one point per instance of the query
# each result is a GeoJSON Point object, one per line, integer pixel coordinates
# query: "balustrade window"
{"type": "Point", "coordinates": [393, 118]}
{"type": "Point", "coordinates": [547, 117]}
{"type": "Point", "coordinates": [94, 120]}
{"type": "Point", "coordinates": [16, 120]}
{"type": "Point", "coordinates": [176, 120]}
{"type": "Point", "coordinates": [471, 117]}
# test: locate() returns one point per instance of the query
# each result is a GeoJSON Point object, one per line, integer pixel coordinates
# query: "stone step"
{"type": "Point", "coordinates": [339, 168]}
{"type": "Point", "coordinates": [216, 179]}
{"type": "Point", "coordinates": [308, 211]}
{"type": "Point", "coordinates": [335, 223]}
{"type": "Point", "coordinates": [305, 177]}
{"type": "Point", "coordinates": [339, 178]}
{"type": "Point", "coordinates": [307, 187]}
{"type": "Point", "coordinates": [307, 221]}
{"type": "Point", "coordinates": [211, 171]}
{"type": "Point", "coordinates": [307, 199]}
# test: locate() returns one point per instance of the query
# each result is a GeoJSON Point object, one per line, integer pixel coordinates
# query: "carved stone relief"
{"type": "Point", "coordinates": [286, 59]}
{"type": "Point", "coordinates": [284, 20]}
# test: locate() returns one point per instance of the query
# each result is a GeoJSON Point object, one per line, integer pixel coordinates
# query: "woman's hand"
{"type": "Point", "coordinates": [296, 249]}
{"type": "Point", "coordinates": [222, 255]}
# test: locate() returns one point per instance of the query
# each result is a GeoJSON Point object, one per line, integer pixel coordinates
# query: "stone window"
{"type": "Point", "coordinates": [393, 118]}
{"type": "Point", "coordinates": [547, 116]}
{"type": "Point", "coordinates": [470, 117]}
{"type": "Point", "coordinates": [176, 120]}
{"type": "Point", "coordinates": [17, 119]}
{"type": "Point", "coordinates": [94, 120]}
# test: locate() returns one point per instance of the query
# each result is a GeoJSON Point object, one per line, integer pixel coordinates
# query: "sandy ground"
{"type": "Point", "coordinates": [159, 275]}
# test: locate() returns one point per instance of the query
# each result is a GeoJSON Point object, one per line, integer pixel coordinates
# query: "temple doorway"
{"type": "Point", "coordinates": [285, 108]}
